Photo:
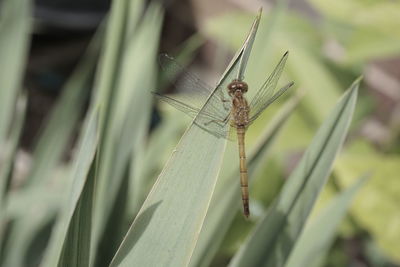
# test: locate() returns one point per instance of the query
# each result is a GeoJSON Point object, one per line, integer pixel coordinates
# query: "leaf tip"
{"type": "Point", "coordinates": [355, 85]}
{"type": "Point", "coordinates": [259, 12]}
{"type": "Point", "coordinates": [358, 80]}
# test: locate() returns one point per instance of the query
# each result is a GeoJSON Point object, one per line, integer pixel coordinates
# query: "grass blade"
{"type": "Point", "coordinates": [125, 107]}
{"type": "Point", "coordinates": [49, 150]}
{"type": "Point", "coordinates": [274, 237]}
{"type": "Point", "coordinates": [314, 242]}
{"type": "Point", "coordinates": [249, 45]}
{"type": "Point", "coordinates": [15, 25]}
{"type": "Point", "coordinates": [70, 243]}
{"type": "Point", "coordinates": [11, 148]}
{"type": "Point", "coordinates": [6, 167]}
{"type": "Point", "coordinates": [55, 136]}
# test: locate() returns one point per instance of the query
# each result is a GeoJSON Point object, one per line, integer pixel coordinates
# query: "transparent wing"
{"type": "Point", "coordinates": [266, 94]}
{"type": "Point", "coordinates": [204, 120]}
{"type": "Point", "coordinates": [193, 91]}
{"type": "Point", "coordinates": [213, 116]}
{"type": "Point", "coordinates": [183, 80]}
{"type": "Point", "coordinates": [188, 110]}
{"type": "Point", "coordinates": [270, 100]}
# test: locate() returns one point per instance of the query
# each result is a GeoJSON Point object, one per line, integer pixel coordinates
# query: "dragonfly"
{"type": "Point", "coordinates": [220, 110]}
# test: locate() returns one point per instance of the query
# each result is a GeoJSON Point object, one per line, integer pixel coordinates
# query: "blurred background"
{"type": "Point", "coordinates": [331, 43]}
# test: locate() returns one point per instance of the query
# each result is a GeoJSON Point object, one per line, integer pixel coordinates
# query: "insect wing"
{"type": "Point", "coordinates": [194, 90]}
{"type": "Point", "coordinates": [266, 94]}
{"type": "Point", "coordinates": [211, 108]}
{"type": "Point", "coordinates": [188, 110]}
{"type": "Point", "coordinates": [270, 101]}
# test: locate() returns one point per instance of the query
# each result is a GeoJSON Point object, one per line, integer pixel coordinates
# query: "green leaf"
{"type": "Point", "coordinates": [125, 104]}
{"type": "Point", "coordinates": [378, 15]}
{"type": "Point", "coordinates": [283, 31]}
{"type": "Point", "coordinates": [249, 45]}
{"type": "Point", "coordinates": [11, 149]}
{"type": "Point", "coordinates": [70, 242]}
{"type": "Point", "coordinates": [225, 201]}
{"type": "Point", "coordinates": [56, 135]}
{"type": "Point", "coordinates": [48, 152]}
{"type": "Point", "coordinates": [169, 222]}
{"type": "Point", "coordinates": [315, 241]}
{"type": "Point", "coordinates": [273, 239]}
{"type": "Point", "coordinates": [106, 79]}
{"type": "Point", "coordinates": [366, 30]}
{"type": "Point", "coordinates": [162, 140]}
{"type": "Point", "coordinates": [368, 44]}
{"type": "Point", "coordinates": [15, 26]}
{"type": "Point", "coordinates": [7, 164]}
{"type": "Point", "coordinates": [380, 196]}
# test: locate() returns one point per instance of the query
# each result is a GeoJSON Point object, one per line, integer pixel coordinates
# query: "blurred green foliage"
{"type": "Point", "coordinates": [77, 212]}
{"type": "Point", "coordinates": [359, 31]}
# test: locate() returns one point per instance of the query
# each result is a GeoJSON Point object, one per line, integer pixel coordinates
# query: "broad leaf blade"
{"type": "Point", "coordinates": [192, 171]}
{"type": "Point", "coordinates": [225, 201]}
{"type": "Point", "coordinates": [273, 239]}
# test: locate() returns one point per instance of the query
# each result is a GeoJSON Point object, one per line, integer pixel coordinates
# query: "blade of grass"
{"type": "Point", "coordinates": [314, 242]}
{"type": "Point", "coordinates": [180, 197]}
{"type": "Point", "coordinates": [36, 217]}
{"type": "Point", "coordinates": [6, 168]}
{"type": "Point", "coordinates": [15, 26]}
{"type": "Point", "coordinates": [274, 237]}
{"type": "Point", "coordinates": [105, 82]}
{"type": "Point", "coordinates": [70, 242]}
{"type": "Point", "coordinates": [55, 136]}
{"type": "Point", "coordinates": [249, 43]}
{"type": "Point", "coordinates": [126, 123]}
{"type": "Point", "coordinates": [224, 203]}
{"type": "Point", "coordinates": [11, 149]}
{"type": "Point", "coordinates": [50, 147]}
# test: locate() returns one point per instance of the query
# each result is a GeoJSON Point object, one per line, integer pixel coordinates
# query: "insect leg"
{"type": "Point", "coordinates": [218, 122]}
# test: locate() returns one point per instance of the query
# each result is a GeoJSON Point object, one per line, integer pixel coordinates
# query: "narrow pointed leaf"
{"type": "Point", "coordinates": [7, 164]}
{"type": "Point", "coordinates": [49, 150]}
{"type": "Point", "coordinates": [273, 239]}
{"type": "Point", "coordinates": [249, 45]}
{"type": "Point", "coordinates": [55, 135]}
{"type": "Point", "coordinates": [70, 243]}
{"type": "Point", "coordinates": [15, 26]}
{"type": "Point", "coordinates": [10, 148]}
{"type": "Point", "coordinates": [106, 78]}
{"type": "Point", "coordinates": [125, 115]}
{"type": "Point", "coordinates": [315, 241]}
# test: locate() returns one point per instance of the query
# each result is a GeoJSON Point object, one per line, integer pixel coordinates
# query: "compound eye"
{"type": "Point", "coordinates": [243, 87]}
